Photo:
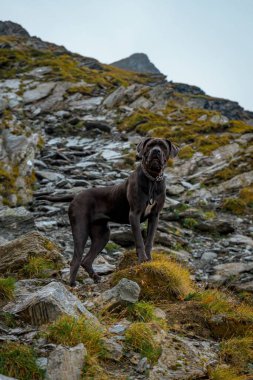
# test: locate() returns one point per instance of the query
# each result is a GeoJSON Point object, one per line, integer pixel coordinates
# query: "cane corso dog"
{"type": "Point", "coordinates": [140, 197]}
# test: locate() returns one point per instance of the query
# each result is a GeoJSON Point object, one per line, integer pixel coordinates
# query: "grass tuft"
{"type": "Point", "coordinates": [70, 331]}
{"type": "Point", "coordinates": [222, 372]}
{"type": "Point", "coordinates": [158, 279]}
{"type": "Point", "coordinates": [7, 288]}
{"type": "Point", "coordinates": [141, 311]}
{"type": "Point", "coordinates": [238, 352]}
{"type": "Point", "coordinates": [38, 267]}
{"type": "Point", "coordinates": [19, 361]}
{"type": "Point", "coordinates": [140, 337]}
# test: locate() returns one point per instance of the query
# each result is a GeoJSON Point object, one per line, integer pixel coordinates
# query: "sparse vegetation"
{"type": "Point", "coordinates": [142, 311]}
{"type": "Point", "coordinates": [238, 352]}
{"type": "Point", "coordinates": [19, 361]}
{"type": "Point", "coordinates": [38, 266]}
{"type": "Point", "coordinates": [223, 372]}
{"type": "Point", "coordinates": [140, 337]}
{"type": "Point", "coordinates": [7, 288]}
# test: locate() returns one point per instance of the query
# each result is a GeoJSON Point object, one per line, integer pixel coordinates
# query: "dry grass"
{"type": "Point", "coordinates": [226, 373]}
{"type": "Point", "coordinates": [159, 279]}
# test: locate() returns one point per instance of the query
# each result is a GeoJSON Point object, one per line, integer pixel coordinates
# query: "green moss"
{"type": "Point", "coordinates": [111, 247]}
{"type": "Point", "coordinates": [246, 196]}
{"type": "Point", "coordinates": [189, 223]}
{"type": "Point", "coordinates": [8, 319]}
{"type": "Point", "coordinates": [140, 337]}
{"type": "Point", "coordinates": [186, 152]}
{"type": "Point", "coordinates": [7, 288]}
{"type": "Point", "coordinates": [84, 90]}
{"type": "Point", "coordinates": [19, 361]}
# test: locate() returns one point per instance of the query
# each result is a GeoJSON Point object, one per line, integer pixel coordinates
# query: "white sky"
{"type": "Point", "coordinates": [207, 43]}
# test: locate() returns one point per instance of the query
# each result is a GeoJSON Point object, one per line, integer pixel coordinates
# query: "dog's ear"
{"type": "Point", "coordinates": [173, 149]}
{"type": "Point", "coordinates": [140, 148]}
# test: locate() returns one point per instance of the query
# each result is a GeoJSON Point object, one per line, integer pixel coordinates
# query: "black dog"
{"type": "Point", "coordinates": [138, 198]}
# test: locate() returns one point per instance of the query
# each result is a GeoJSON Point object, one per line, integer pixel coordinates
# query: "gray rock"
{"type": "Point", "coordinates": [141, 102]}
{"type": "Point", "coordinates": [65, 363]}
{"type": "Point", "coordinates": [114, 350]}
{"type": "Point", "coordinates": [39, 72]}
{"type": "Point", "coordinates": [175, 189]}
{"type": "Point", "coordinates": [86, 104]}
{"type": "Point", "coordinates": [208, 256]}
{"type": "Point", "coordinates": [184, 358]}
{"type": "Point", "coordinates": [143, 365]}
{"type": "Point", "coordinates": [125, 290]}
{"type": "Point", "coordinates": [101, 266]}
{"type": "Point", "coordinates": [16, 253]}
{"type": "Point", "coordinates": [38, 93]}
{"type": "Point", "coordinates": [237, 182]}
{"type": "Point", "coordinates": [50, 176]}
{"type": "Point", "coordinates": [219, 119]}
{"type": "Point", "coordinates": [223, 272]}
{"type": "Point", "coordinates": [115, 97]}
{"type": "Point", "coordinates": [241, 239]}
{"type": "Point", "coordinates": [47, 304]}
{"type": "Point", "coordinates": [15, 222]}
{"type": "Point", "coordinates": [2, 377]}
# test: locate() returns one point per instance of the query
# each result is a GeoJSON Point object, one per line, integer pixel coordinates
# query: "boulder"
{"type": "Point", "coordinates": [115, 97]}
{"type": "Point", "coordinates": [223, 272]}
{"type": "Point", "coordinates": [47, 304]}
{"type": "Point", "coordinates": [16, 253]}
{"type": "Point", "coordinates": [15, 221]}
{"type": "Point", "coordinates": [38, 93]}
{"type": "Point", "coordinates": [184, 358]}
{"type": "Point", "coordinates": [65, 363]}
{"type": "Point", "coordinates": [125, 291]}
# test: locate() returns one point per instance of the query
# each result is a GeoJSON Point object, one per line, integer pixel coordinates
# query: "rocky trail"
{"type": "Point", "coordinates": [68, 123]}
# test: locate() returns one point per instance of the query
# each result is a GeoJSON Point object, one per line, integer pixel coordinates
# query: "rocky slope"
{"type": "Point", "coordinates": [137, 62]}
{"type": "Point", "coordinates": [69, 122]}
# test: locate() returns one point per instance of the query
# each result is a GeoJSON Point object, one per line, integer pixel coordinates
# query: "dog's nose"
{"type": "Point", "coordinates": [157, 152]}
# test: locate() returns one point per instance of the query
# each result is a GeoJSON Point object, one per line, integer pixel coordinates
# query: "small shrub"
{"type": "Point", "coordinates": [238, 352]}
{"type": "Point", "coordinates": [140, 337]}
{"type": "Point", "coordinates": [111, 246]}
{"type": "Point", "coordinates": [246, 195]}
{"type": "Point", "coordinates": [19, 361]}
{"type": "Point", "coordinates": [7, 287]}
{"type": "Point", "coordinates": [70, 331]}
{"type": "Point", "coordinates": [159, 279]}
{"type": "Point", "coordinates": [186, 151]}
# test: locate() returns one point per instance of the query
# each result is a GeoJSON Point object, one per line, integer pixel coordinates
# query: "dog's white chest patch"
{"type": "Point", "coordinates": [148, 208]}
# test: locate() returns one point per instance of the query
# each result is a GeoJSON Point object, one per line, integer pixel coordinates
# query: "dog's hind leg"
{"type": "Point", "coordinates": [99, 234]}
{"type": "Point", "coordinates": [80, 236]}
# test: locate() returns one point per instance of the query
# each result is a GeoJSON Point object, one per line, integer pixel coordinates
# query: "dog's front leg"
{"type": "Point", "coordinates": [152, 226]}
{"type": "Point", "coordinates": [134, 219]}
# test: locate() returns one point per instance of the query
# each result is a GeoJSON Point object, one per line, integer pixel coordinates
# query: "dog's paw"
{"type": "Point", "coordinates": [96, 278]}
{"type": "Point", "coordinates": [72, 284]}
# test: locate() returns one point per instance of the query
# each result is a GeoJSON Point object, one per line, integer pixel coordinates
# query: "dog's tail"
{"type": "Point", "coordinates": [63, 198]}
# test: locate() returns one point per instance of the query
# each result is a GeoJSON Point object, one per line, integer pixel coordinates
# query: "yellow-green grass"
{"type": "Point", "coordinates": [141, 311]}
{"type": "Point", "coordinates": [240, 204]}
{"type": "Point", "coordinates": [7, 288]}
{"type": "Point", "coordinates": [19, 361]}
{"type": "Point", "coordinates": [161, 278]}
{"type": "Point", "coordinates": [38, 266]}
{"type": "Point", "coordinates": [70, 331]}
{"type": "Point", "coordinates": [140, 338]}
{"type": "Point", "coordinates": [223, 372]}
{"type": "Point", "coordinates": [238, 352]}
{"type": "Point", "coordinates": [236, 318]}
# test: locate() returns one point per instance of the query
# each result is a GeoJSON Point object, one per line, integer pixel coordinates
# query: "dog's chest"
{"type": "Point", "coordinates": [149, 208]}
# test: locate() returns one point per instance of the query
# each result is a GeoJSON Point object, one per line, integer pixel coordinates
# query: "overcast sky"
{"type": "Point", "coordinates": [208, 43]}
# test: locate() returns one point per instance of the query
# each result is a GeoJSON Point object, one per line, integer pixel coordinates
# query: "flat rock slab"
{"type": "Point", "coordinates": [183, 358]}
{"type": "Point", "coordinates": [40, 92]}
{"type": "Point", "coordinates": [15, 221]}
{"type": "Point", "coordinates": [47, 304]}
{"type": "Point", "coordinates": [16, 253]}
{"type": "Point", "coordinates": [222, 272]}
{"type": "Point", "coordinates": [65, 363]}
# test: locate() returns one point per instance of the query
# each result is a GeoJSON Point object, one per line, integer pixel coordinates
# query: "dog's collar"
{"type": "Point", "coordinates": [159, 178]}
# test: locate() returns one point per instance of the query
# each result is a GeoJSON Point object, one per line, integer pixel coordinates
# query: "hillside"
{"type": "Point", "coordinates": [70, 122]}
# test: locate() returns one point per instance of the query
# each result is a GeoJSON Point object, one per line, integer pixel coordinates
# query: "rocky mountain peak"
{"type": "Point", "coordinates": [139, 62]}
{"type": "Point", "coordinates": [9, 28]}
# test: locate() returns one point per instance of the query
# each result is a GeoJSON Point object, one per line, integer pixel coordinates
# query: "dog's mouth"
{"type": "Point", "coordinates": [155, 164]}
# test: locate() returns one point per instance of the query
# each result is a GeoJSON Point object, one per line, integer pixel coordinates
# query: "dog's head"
{"type": "Point", "coordinates": [155, 152]}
